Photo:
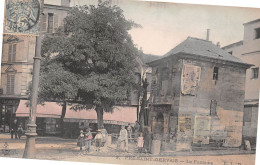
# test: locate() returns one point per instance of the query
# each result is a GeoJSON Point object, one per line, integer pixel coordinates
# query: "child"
{"type": "Point", "coordinates": [98, 139]}
{"type": "Point", "coordinates": [88, 138]}
{"type": "Point", "coordinates": [20, 131]}
{"type": "Point", "coordinates": [81, 139]}
{"type": "Point", "coordinates": [140, 142]}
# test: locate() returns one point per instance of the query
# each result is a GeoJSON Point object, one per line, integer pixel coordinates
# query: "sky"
{"type": "Point", "coordinates": [165, 25]}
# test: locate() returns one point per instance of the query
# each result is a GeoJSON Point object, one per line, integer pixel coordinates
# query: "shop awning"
{"type": "Point", "coordinates": [121, 115]}
{"type": "Point", "coordinates": [49, 109]}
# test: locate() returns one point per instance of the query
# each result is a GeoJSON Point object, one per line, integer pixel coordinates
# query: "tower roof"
{"type": "Point", "coordinates": [202, 48]}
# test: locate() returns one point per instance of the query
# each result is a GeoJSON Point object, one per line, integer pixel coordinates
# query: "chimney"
{"type": "Point", "coordinates": [218, 44]}
{"type": "Point", "coordinates": [208, 30]}
{"type": "Point", "coordinates": [65, 3]}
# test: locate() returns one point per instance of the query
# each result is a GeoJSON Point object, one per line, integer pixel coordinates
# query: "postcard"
{"type": "Point", "coordinates": [124, 82]}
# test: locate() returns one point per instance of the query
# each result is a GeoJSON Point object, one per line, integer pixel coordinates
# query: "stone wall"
{"type": "Point", "coordinates": [227, 92]}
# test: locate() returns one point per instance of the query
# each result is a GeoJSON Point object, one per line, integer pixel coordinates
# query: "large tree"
{"type": "Point", "coordinates": [90, 60]}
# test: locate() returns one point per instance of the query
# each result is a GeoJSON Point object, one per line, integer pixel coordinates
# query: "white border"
{"type": "Point", "coordinates": [247, 3]}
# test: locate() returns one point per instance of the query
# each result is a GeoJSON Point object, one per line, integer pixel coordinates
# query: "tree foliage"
{"type": "Point", "coordinates": [91, 58]}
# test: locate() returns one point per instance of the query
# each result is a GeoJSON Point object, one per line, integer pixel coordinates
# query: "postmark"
{"type": "Point", "coordinates": [22, 17]}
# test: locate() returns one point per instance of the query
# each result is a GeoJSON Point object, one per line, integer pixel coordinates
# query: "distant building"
{"type": "Point", "coordinates": [248, 50]}
{"type": "Point", "coordinates": [197, 97]}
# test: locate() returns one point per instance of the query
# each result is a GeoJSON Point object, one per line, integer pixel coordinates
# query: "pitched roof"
{"type": "Point", "coordinates": [204, 48]}
{"type": "Point", "coordinates": [233, 45]}
{"type": "Point", "coordinates": [146, 58]}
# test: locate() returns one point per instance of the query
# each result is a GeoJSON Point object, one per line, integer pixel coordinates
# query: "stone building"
{"type": "Point", "coordinates": [248, 50]}
{"type": "Point", "coordinates": [17, 63]}
{"type": "Point", "coordinates": [197, 97]}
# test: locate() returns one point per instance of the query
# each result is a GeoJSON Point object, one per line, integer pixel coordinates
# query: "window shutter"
{"type": "Point", "coordinates": [44, 22]}
{"type": "Point", "coordinates": [10, 84]}
{"type": "Point", "coordinates": [10, 53]}
{"type": "Point", "coordinates": [56, 22]}
{"type": "Point", "coordinates": [14, 52]}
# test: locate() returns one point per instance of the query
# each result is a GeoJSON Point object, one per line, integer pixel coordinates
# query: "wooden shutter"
{"type": "Point", "coordinates": [50, 23]}
{"type": "Point", "coordinates": [10, 53]}
{"type": "Point", "coordinates": [44, 22]}
{"type": "Point", "coordinates": [14, 53]}
{"type": "Point", "coordinates": [10, 84]}
{"type": "Point", "coordinates": [56, 22]}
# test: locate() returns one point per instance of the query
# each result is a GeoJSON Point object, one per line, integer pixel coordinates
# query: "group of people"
{"type": "Point", "coordinates": [85, 139]}
{"type": "Point", "coordinates": [16, 130]}
{"type": "Point", "coordinates": [143, 138]}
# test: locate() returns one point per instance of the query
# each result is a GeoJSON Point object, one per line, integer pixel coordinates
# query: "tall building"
{"type": "Point", "coordinates": [197, 97]}
{"type": "Point", "coordinates": [248, 50]}
{"type": "Point", "coordinates": [17, 63]}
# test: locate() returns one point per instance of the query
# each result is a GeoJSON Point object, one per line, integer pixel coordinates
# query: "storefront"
{"type": "Point", "coordinates": [8, 108]}
{"type": "Point", "coordinates": [47, 117]}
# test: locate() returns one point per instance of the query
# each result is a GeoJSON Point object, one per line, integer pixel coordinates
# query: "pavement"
{"type": "Point", "coordinates": [55, 148]}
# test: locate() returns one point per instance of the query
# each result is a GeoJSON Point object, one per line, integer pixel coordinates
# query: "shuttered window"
{"type": "Point", "coordinates": [56, 22]}
{"type": "Point", "coordinates": [50, 23]}
{"type": "Point", "coordinates": [12, 53]}
{"type": "Point", "coordinates": [44, 23]}
{"type": "Point", "coordinates": [10, 84]}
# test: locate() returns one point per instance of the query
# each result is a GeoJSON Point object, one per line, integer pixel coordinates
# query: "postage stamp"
{"type": "Point", "coordinates": [22, 17]}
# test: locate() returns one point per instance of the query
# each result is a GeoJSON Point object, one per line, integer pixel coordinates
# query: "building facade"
{"type": "Point", "coordinates": [17, 63]}
{"type": "Point", "coordinates": [197, 97]}
{"type": "Point", "coordinates": [248, 50]}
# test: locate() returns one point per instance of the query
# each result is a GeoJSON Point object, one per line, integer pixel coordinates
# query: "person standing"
{"type": "Point", "coordinates": [81, 140]}
{"type": "Point", "coordinates": [20, 131]}
{"type": "Point", "coordinates": [137, 129]}
{"type": "Point", "coordinates": [147, 141]}
{"type": "Point", "coordinates": [104, 135]}
{"type": "Point", "coordinates": [99, 139]}
{"type": "Point", "coordinates": [88, 138]}
{"type": "Point", "coordinates": [140, 143]}
{"type": "Point", "coordinates": [123, 139]}
{"type": "Point", "coordinates": [14, 129]}
{"type": "Point", "coordinates": [129, 131]}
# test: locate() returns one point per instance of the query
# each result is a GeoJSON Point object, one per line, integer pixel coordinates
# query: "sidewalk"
{"type": "Point", "coordinates": [55, 148]}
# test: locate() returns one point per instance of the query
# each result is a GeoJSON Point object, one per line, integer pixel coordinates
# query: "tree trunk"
{"type": "Point", "coordinates": [100, 113]}
{"type": "Point", "coordinates": [63, 113]}
{"type": "Point", "coordinates": [143, 104]}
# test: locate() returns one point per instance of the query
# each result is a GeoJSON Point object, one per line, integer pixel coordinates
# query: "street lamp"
{"type": "Point", "coordinates": [31, 134]}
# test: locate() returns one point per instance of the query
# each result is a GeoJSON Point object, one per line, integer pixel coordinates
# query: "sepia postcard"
{"type": "Point", "coordinates": [129, 82]}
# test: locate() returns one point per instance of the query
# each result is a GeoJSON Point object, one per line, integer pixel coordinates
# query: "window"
{"type": "Point", "coordinates": [257, 33]}
{"type": "Point", "coordinates": [215, 73]}
{"type": "Point", "coordinates": [12, 53]}
{"type": "Point", "coordinates": [10, 84]}
{"type": "Point", "coordinates": [44, 22]}
{"type": "Point", "coordinates": [255, 72]}
{"type": "Point", "coordinates": [50, 23]}
{"type": "Point", "coordinates": [213, 107]}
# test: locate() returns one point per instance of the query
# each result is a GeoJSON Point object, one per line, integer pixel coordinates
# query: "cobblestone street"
{"type": "Point", "coordinates": [54, 148]}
